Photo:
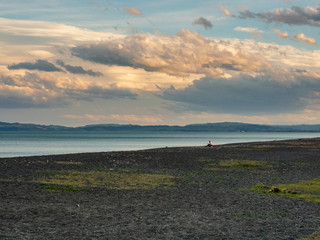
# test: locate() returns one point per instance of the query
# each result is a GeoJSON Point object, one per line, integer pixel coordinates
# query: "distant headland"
{"type": "Point", "coordinates": [213, 127]}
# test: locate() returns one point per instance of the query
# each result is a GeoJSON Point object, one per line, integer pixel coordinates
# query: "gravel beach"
{"type": "Point", "coordinates": [168, 193]}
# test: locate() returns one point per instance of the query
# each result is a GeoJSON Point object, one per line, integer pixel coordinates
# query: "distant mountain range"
{"type": "Point", "coordinates": [212, 127]}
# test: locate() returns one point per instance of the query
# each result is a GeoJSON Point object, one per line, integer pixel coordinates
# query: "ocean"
{"type": "Point", "coordinates": [32, 143]}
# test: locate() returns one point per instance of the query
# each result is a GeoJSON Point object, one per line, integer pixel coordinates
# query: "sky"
{"type": "Point", "coordinates": [168, 62]}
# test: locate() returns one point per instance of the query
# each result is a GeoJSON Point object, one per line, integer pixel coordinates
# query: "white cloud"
{"type": "Point", "coordinates": [256, 32]}
{"type": "Point", "coordinates": [247, 29]}
{"type": "Point", "coordinates": [50, 30]}
{"type": "Point", "coordinates": [280, 56]}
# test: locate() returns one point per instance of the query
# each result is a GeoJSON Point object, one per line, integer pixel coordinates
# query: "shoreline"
{"type": "Point", "coordinates": [174, 147]}
{"type": "Point", "coordinates": [162, 193]}
{"type": "Point", "coordinates": [11, 146]}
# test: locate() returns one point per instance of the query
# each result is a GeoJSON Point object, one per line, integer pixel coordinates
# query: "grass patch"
{"type": "Point", "coordinates": [306, 190]}
{"type": "Point", "coordinates": [68, 163]}
{"type": "Point", "coordinates": [205, 159]}
{"type": "Point", "coordinates": [2, 180]}
{"type": "Point", "coordinates": [314, 236]}
{"type": "Point", "coordinates": [244, 164]}
{"type": "Point", "coordinates": [75, 180]}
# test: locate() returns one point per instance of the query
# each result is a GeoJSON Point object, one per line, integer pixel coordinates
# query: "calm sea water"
{"type": "Point", "coordinates": [14, 144]}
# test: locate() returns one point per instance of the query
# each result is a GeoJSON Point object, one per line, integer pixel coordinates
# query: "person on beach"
{"type": "Point", "coordinates": [210, 144]}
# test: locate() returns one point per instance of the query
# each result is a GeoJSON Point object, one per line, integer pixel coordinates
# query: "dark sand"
{"type": "Point", "coordinates": [205, 203]}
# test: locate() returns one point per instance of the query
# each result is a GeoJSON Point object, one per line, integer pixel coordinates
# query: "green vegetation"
{"type": "Point", "coordinates": [314, 236]}
{"type": "Point", "coordinates": [74, 180]}
{"type": "Point", "coordinates": [244, 163]}
{"type": "Point", "coordinates": [69, 163]}
{"type": "Point", "coordinates": [233, 163]}
{"type": "Point", "coordinates": [307, 190]}
{"type": "Point", "coordinates": [205, 159]}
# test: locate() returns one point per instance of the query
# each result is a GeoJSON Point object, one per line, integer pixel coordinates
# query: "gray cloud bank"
{"type": "Point", "coordinates": [293, 16]}
{"type": "Point", "coordinates": [182, 54]}
{"type": "Point", "coordinates": [245, 94]}
{"type": "Point", "coordinates": [33, 91]}
{"type": "Point", "coordinates": [78, 69]}
{"type": "Point", "coordinates": [44, 65]}
{"type": "Point", "coordinates": [204, 22]}
{"type": "Point", "coordinates": [40, 65]}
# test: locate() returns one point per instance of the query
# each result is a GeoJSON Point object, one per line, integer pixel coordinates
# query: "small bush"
{"type": "Point", "coordinates": [307, 190]}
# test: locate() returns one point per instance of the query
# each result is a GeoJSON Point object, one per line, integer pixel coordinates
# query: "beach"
{"type": "Point", "coordinates": [224, 192]}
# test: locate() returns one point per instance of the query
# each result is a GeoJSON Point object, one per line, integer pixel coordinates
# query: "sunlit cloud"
{"type": "Point", "coordinates": [131, 118]}
{"type": "Point", "coordinates": [137, 118]}
{"type": "Point", "coordinates": [181, 55]}
{"type": "Point", "coordinates": [132, 11]}
{"type": "Point", "coordinates": [226, 11]}
{"type": "Point", "coordinates": [303, 38]}
{"type": "Point", "coordinates": [281, 34]}
{"type": "Point", "coordinates": [41, 91]}
{"type": "Point", "coordinates": [312, 10]}
{"type": "Point", "coordinates": [90, 117]}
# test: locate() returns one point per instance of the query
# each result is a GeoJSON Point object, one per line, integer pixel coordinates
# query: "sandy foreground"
{"type": "Point", "coordinates": [169, 193]}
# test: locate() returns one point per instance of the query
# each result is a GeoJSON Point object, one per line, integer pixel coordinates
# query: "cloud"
{"type": "Point", "coordinates": [299, 37]}
{"type": "Point", "coordinates": [50, 30]}
{"type": "Point", "coordinates": [132, 11]}
{"type": "Point", "coordinates": [293, 16]}
{"type": "Point", "coordinates": [35, 91]}
{"type": "Point", "coordinates": [226, 11]}
{"type": "Point", "coordinates": [112, 92]}
{"type": "Point", "coordinates": [29, 91]}
{"type": "Point", "coordinates": [40, 65]}
{"type": "Point", "coordinates": [97, 5]}
{"type": "Point", "coordinates": [15, 100]}
{"type": "Point", "coordinates": [128, 118]}
{"type": "Point", "coordinates": [254, 31]}
{"type": "Point", "coordinates": [247, 29]}
{"type": "Point", "coordinates": [97, 92]}
{"type": "Point", "coordinates": [303, 38]}
{"type": "Point", "coordinates": [78, 69]}
{"type": "Point", "coordinates": [281, 34]}
{"type": "Point", "coordinates": [245, 94]}
{"type": "Point", "coordinates": [181, 55]}
{"type": "Point", "coordinates": [204, 22]}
